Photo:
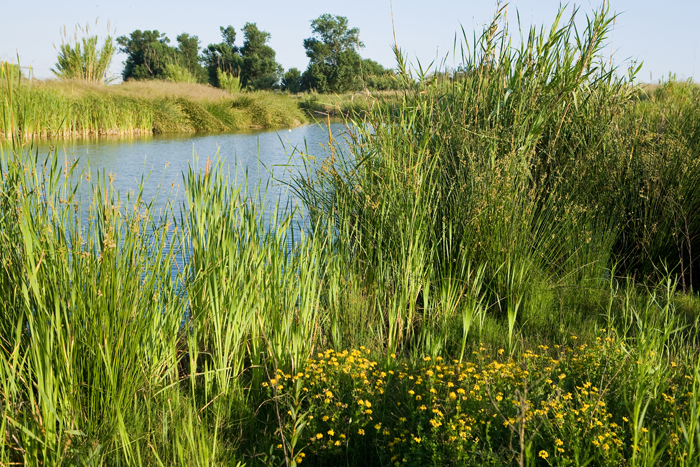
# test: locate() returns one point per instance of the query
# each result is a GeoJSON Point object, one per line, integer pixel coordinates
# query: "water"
{"type": "Point", "coordinates": [267, 158]}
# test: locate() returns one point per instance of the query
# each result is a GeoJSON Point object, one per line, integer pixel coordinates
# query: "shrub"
{"type": "Point", "coordinates": [228, 82]}
{"type": "Point", "coordinates": [179, 74]}
{"type": "Point", "coordinates": [82, 58]}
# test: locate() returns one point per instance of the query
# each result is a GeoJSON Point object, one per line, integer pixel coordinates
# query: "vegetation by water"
{"type": "Point", "coordinates": [75, 108]}
{"type": "Point", "coordinates": [84, 59]}
{"type": "Point", "coordinates": [335, 65]}
{"type": "Point", "coordinates": [500, 270]}
{"type": "Point", "coordinates": [351, 104]}
{"type": "Point", "coordinates": [169, 89]}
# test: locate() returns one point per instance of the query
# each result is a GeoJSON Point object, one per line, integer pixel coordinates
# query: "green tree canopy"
{"type": "Point", "coordinates": [259, 70]}
{"type": "Point", "coordinates": [224, 56]}
{"type": "Point", "coordinates": [292, 81]}
{"type": "Point", "coordinates": [334, 61]}
{"type": "Point", "coordinates": [148, 53]}
{"type": "Point", "coordinates": [378, 78]}
{"type": "Point", "coordinates": [188, 46]}
{"type": "Point", "coordinates": [149, 56]}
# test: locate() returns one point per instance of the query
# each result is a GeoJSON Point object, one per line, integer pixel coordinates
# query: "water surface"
{"type": "Point", "coordinates": [266, 158]}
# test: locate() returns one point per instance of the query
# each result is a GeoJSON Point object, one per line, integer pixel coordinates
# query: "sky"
{"type": "Point", "coordinates": [664, 35]}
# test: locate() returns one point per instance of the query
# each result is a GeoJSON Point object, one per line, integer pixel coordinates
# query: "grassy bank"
{"type": "Point", "coordinates": [73, 108]}
{"type": "Point", "coordinates": [498, 270]}
{"type": "Point", "coordinates": [348, 105]}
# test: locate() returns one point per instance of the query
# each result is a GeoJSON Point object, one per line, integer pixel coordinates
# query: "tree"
{"type": "Point", "coordinates": [222, 57]}
{"type": "Point", "coordinates": [334, 62]}
{"type": "Point", "coordinates": [148, 53]}
{"type": "Point", "coordinates": [149, 56]}
{"type": "Point", "coordinates": [83, 59]}
{"type": "Point", "coordinates": [189, 56]}
{"type": "Point", "coordinates": [259, 69]}
{"type": "Point", "coordinates": [292, 81]}
{"type": "Point", "coordinates": [377, 78]}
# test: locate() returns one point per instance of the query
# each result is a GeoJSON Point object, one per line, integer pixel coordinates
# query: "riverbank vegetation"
{"type": "Point", "coordinates": [500, 269]}
{"type": "Point", "coordinates": [83, 59]}
{"type": "Point", "coordinates": [335, 65]}
{"type": "Point", "coordinates": [54, 109]}
{"type": "Point", "coordinates": [169, 89]}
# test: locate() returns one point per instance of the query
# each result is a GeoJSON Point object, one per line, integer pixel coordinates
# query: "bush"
{"type": "Point", "coordinates": [292, 81]}
{"type": "Point", "coordinates": [228, 82]}
{"type": "Point", "coordinates": [84, 59]}
{"type": "Point", "coordinates": [179, 74]}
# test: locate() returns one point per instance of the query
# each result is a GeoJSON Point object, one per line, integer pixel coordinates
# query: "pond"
{"type": "Point", "coordinates": [265, 158]}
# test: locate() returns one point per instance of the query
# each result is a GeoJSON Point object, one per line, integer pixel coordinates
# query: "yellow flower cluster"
{"type": "Point", "coordinates": [551, 394]}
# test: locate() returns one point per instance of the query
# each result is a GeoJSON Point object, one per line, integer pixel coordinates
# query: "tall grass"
{"type": "Point", "coordinates": [111, 351]}
{"type": "Point", "coordinates": [75, 109]}
{"type": "Point", "coordinates": [349, 105]}
{"type": "Point", "coordinates": [228, 82]}
{"type": "Point", "coordinates": [511, 252]}
{"type": "Point", "coordinates": [179, 74]}
{"type": "Point", "coordinates": [83, 59]}
{"type": "Point", "coordinates": [533, 165]}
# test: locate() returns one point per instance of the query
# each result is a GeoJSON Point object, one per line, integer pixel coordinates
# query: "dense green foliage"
{"type": "Point", "coordinates": [188, 46]}
{"type": "Point", "coordinates": [253, 64]}
{"type": "Point", "coordinates": [73, 108]}
{"type": "Point", "coordinates": [148, 53]}
{"type": "Point", "coordinates": [259, 70]}
{"type": "Point", "coordinates": [333, 60]}
{"type": "Point", "coordinates": [150, 57]}
{"type": "Point", "coordinates": [223, 56]}
{"type": "Point", "coordinates": [512, 253]}
{"type": "Point", "coordinates": [82, 58]}
{"type": "Point", "coordinates": [375, 77]}
{"type": "Point", "coordinates": [292, 81]}
{"type": "Point", "coordinates": [335, 65]}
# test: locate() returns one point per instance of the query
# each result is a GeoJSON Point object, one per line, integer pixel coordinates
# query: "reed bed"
{"type": "Point", "coordinates": [501, 269]}
{"type": "Point", "coordinates": [348, 105]}
{"type": "Point", "coordinates": [71, 108]}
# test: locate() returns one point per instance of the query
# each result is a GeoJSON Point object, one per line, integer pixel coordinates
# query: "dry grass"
{"type": "Point", "coordinates": [153, 89]}
{"type": "Point", "coordinates": [74, 108]}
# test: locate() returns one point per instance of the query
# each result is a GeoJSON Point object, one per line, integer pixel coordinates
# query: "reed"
{"type": "Point", "coordinates": [83, 59]}
{"type": "Point", "coordinates": [348, 105]}
{"type": "Point", "coordinates": [498, 268]}
{"type": "Point", "coordinates": [514, 167]}
{"type": "Point", "coordinates": [179, 74]}
{"type": "Point", "coordinates": [228, 82]}
{"type": "Point", "coordinates": [76, 109]}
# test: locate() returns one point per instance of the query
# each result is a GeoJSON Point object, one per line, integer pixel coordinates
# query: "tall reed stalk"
{"type": "Point", "coordinates": [82, 58]}
{"type": "Point", "coordinates": [511, 217]}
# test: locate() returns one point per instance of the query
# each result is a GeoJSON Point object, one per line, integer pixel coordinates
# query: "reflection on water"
{"type": "Point", "coordinates": [261, 156]}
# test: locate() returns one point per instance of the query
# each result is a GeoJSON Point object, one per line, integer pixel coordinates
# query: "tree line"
{"type": "Point", "coordinates": [335, 64]}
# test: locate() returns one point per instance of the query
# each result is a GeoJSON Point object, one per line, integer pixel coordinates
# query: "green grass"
{"type": "Point", "coordinates": [75, 108]}
{"type": "Point", "coordinates": [347, 105]}
{"type": "Point", "coordinates": [500, 269]}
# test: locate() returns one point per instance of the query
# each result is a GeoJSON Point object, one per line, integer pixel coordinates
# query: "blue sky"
{"type": "Point", "coordinates": [665, 35]}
